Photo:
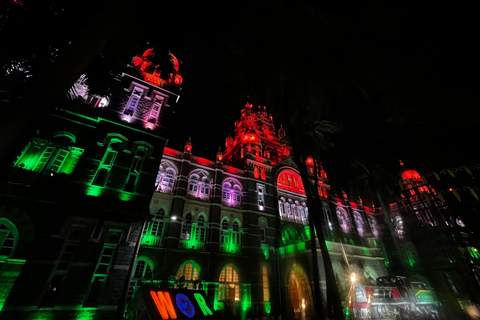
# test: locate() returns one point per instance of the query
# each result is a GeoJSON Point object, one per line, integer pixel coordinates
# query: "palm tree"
{"type": "Point", "coordinates": [376, 185]}
{"type": "Point", "coordinates": [307, 143]}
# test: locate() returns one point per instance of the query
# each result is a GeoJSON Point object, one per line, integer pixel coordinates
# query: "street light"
{"type": "Point", "coordinates": [353, 278]}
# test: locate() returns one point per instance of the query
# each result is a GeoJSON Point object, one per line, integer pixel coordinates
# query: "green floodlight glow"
{"type": "Point", "coordinates": [231, 248]}
{"type": "Point", "coordinates": [85, 315]}
{"type": "Point", "coordinates": [307, 233]}
{"type": "Point", "coordinates": [387, 262]}
{"type": "Point", "coordinates": [301, 246]}
{"type": "Point", "coordinates": [473, 252]}
{"type": "Point", "coordinates": [291, 248]}
{"type": "Point", "coordinates": [366, 251]}
{"type": "Point", "coordinates": [411, 262]}
{"type": "Point", "coordinates": [94, 191]}
{"type": "Point", "coordinates": [246, 297]}
{"type": "Point", "coordinates": [329, 245]}
{"type": "Point", "coordinates": [265, 250]}
{"type": "Point", "coordinates": [268, 307]}
{"type": "Point", "coordinates": [43, 315]}
{"type": "Point", "coordinates": [194, 244]}
{"type": "Point", "coordinates": [218, 306]}
{"type": "Point", "coordinates": [125, 196]}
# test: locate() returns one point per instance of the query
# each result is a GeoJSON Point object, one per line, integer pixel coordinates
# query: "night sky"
{"type": "Point", "coordinates": [408, 71]}
{"type": "Point", "coordinates": [411, 91]}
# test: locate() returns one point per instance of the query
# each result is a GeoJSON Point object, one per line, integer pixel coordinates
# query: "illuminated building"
{"type": "Point", "coordinates": [438, 245]}
{"type": "Point", "coordinates": [98, 214]}
{"type": "Point", "coordinates": [75, 200]}
{"type": "Point", "coordinates": [237, 227]}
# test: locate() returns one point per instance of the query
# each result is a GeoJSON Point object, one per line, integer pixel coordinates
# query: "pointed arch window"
{"type": "Point", "coordinates": [190, 271]}
{"type": "Point", "coordinates": [187, 227]}
{"type": "Point", "coordinates": [8, 238]}
{"type": "Point", "coordinates": [289, 235]}
{"type": "Point", "coordinates": [374, 226]}
{"type": "Point", "coordinates": [144, 269]}
{"type": "Point", "coordinates": [344, 220]}
{"type": "Point", "coordinates": [229, 285]}
{"type": "Point", "coordinates": [224, 233]}
{"type": "Point", "coordinates": [359, 223]}
{"type": "Point", "coordinates": [235, 234]}
{"type": "Point", "coordinates": [200, 229]}
{"type": "Point", "coordinates": [155, 229]}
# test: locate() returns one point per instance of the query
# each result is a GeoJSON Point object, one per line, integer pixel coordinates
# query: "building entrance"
{"type": "Point", "coordinates": [300, 294]}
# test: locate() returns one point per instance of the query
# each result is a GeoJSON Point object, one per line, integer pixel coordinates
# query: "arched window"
{"type": "Point", "coordinates": [291, 181]}
{"type": "Point", "coordinates": [230, 237]}
{"type": "Point", "coordinates": [229, 287]}
{"type": "Point", "coordinates": [374, 226]}
{"type": "Point", "coordinates": [231, 193]}
{"type": "Point", "coordinates": [281, 207]}
{"type": "Point", "coordinates": [166, 178]}
{"type": "Point", "coordinates": [289, 235]}
{"type": "Point", "coordinates": [398, 226]}
{"type": "Point", "coordinates": [304, 211]}
{"type": "Point", "coordinates": [198, 184]}
{"type": "Point", "coordinates": [8, 238]}
{"type": "Point", "coordinates": [193, 185]}
{"type": "Point", "coordinates": [235, 234]}
{"type": "Point", "coordinates": [200, 229]}
{"type": "Point", "coordinates": [155, 229]}
{"type": "Point", "coordinates": [288, 209]}
{"type": "Point", "coordinates": [187, 227]}
{"type": "Point", "coordinates": [57, 155]}
{"type": "Point", "coordinates": [297, 210]}
{"type": "Point", "coordinates": [224, 232]}
{"type": "Point", "coordinates": [237, 193]}
{"type": "Point", "coordinates": [144, 269]}
{"type": "Point", "coordinates": [344, 220]}
{"type": "Point", "coordinates": [204, 188]}
{"type": "Point", "coordinates": [359, 223]}
{"type": "Point", "coordinates": [190, 271]}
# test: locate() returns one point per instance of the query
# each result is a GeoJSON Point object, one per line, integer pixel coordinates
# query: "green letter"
{"type": "Point", "coordinates": [202, 304]}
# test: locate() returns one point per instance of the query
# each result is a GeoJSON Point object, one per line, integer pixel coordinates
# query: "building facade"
{"type": "Point", "coordinates": [75, 200]}
{"type": "Point", "coordinates": [96, 209]}
{"type": "Point", "coordinates": [237, 227]}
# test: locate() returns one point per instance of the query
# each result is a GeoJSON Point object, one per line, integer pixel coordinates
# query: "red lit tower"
{"type": "Point", "coordinates": [437, 246]}
{"type": "Point", "coordinates": [255, 138]}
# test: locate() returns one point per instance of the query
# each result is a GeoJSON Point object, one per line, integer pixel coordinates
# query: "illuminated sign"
{"type": "Point", "coordinates": [176, 304]}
